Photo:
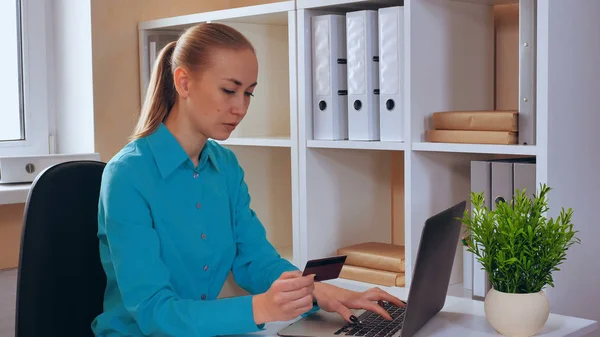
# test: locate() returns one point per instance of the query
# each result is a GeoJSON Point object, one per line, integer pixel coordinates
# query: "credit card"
{"type": "Point", "coordinates": [327, 268]}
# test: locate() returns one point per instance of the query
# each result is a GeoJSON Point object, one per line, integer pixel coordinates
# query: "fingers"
{"type": "Point", "coordinates": [292, 295]}
{"type": "Point", "coordinates": [295, 283]}
{"type": "Point", "coordinates": [342, 310]}
{"type": "Point", "coordinates": [290, 274]}
{"type": "Point", "coordinates": [376, 294]}
{"type": "Point", "coordinates": [299, 305]}
{"type": "Point", "coordinates": [374, 307]}
{"type": "Point", "coordinates": [294, 292]}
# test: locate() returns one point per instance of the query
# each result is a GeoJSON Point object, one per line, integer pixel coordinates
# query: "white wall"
{"type": "Point", "coordinates": [569, 69]}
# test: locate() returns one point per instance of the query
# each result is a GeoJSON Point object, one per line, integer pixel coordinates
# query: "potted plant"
{"type": "Point", "coordinates": [519, 248]}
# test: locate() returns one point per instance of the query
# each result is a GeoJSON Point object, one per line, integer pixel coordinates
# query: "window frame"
{"type": "Point", "coordinates": [35, 24]}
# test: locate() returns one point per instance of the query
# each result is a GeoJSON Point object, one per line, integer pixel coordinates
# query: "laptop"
{"type": "Point", "coordinates": [426, 297]}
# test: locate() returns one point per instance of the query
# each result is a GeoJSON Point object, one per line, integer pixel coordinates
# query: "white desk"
{"type": "Point", "coordinates": [463, 317]}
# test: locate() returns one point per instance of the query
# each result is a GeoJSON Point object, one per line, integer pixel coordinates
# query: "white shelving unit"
{"type": "Point", "coordinates": [315, 196]}
{"type": "Point", "coordinates": [376, 193]}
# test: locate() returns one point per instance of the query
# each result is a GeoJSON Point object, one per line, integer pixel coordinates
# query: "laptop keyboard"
{"type": "Point", "coordinates": [372, 324]}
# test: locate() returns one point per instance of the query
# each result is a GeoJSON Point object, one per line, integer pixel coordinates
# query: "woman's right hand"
{"type": "Point", "coordinates": [288, 297]}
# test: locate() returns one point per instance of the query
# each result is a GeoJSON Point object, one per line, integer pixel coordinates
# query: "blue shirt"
{"type": "Point", "coordinates": [170, 234]}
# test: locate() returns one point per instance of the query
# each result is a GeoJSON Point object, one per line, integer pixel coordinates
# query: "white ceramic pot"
{"type": "Point", "coordinates": [517, 315]}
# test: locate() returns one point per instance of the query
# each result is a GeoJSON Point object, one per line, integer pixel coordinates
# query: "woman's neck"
{"type": "Point", "coordinates": [190, 140]}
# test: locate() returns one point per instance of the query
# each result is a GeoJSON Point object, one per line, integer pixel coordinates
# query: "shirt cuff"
{"type": "Point", "coordinates": [243, 310]}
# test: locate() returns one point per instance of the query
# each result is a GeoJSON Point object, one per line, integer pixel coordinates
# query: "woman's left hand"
{"type": "Point", "coordinates": [335, 299]}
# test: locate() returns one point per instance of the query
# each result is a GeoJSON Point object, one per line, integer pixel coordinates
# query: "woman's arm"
{"type": "Point", "coordinates": [131, 243]}
{"type": "Point", "coordinates": [257, 264]}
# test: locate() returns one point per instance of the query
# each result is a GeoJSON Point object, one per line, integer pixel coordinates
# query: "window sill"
{"type": "Point", "coordinates": [14, 193]}
{"type": "Point", "coordinates": [17, 193]}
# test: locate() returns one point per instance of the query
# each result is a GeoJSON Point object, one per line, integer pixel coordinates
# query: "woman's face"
{"type": "Point", "coordinates": [217, 98]}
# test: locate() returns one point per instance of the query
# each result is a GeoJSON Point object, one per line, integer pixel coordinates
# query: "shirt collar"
{"type": "Point", "coordinates": [169, 154]}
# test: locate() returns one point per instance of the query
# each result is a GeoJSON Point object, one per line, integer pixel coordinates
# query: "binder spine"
{"type": "Point", "coordinates": [525, 178]}
{"type": "Point", "coordinates": [329, 77]}
{"type": "Point", "coordinates": [481, 181]}
{"type": "Point", "coordinates": [356, 42]}
{"type": "Point", "coordinates": [340, 71]}
{"type": "Point", "coordinates": [363, 75]}
{"type": "Point", "coordinates": [391, 79]}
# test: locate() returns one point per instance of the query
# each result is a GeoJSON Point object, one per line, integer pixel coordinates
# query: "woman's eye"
{"type": "Point", "coordinates": [229, 92]}
{"type": "Point", "coordinates": [249, 94]}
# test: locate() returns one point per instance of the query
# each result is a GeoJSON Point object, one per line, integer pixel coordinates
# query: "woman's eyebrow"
{"type": "Point", "coordinates": [238, 83]}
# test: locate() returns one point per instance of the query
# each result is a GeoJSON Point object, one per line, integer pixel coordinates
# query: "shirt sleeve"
{"type": "Point", "coordinates": [142, 277]}
{"type": "Point", "coordinates": [257, 264]}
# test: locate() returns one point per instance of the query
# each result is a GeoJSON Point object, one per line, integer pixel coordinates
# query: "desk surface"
{"type": "Point", "coordinates": [464, 317]}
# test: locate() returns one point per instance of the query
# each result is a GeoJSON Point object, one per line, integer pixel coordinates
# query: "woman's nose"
{"type": "Point", "coordinates": [239, 106]}
{"type": "Point", "coordinates": [237, 110]}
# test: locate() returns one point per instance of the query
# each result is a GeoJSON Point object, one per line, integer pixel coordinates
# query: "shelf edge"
{"type": "Point", "coordinates": [257, 141]}
{"type": "Point", "coordinates": [223, 14]}
{"type": "Point", "coordinates": [320, 4]}
{"type": "Point", "coordinates": [475, 148]}
{"type": "Point", "coordinates": [357, 145]}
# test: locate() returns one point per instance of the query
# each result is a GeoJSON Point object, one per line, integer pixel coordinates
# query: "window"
{"type": "Point", "coordinates": [24, 112]}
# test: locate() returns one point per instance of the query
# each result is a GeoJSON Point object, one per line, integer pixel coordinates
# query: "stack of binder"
{"type": "Point", "coordinates": [358, 82]}
{"type": "Point", "coordinates": [497, 180]}
{"type": "Point", "coordinates": [374, 262]}
{"type": "Point", "coordinates": [475, 127]}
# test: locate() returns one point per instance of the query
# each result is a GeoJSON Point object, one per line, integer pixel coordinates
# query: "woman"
{"type": "Point", "coordinates": [174, 211]}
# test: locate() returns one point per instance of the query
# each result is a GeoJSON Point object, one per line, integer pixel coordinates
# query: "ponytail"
{"type": "Point", "coordinates": [160, 96]}
{"type": "Point", "coordinates": [192, 50]}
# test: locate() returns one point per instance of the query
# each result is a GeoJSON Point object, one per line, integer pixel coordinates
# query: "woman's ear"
{"type": "Point", "coordinates": [181, 79]}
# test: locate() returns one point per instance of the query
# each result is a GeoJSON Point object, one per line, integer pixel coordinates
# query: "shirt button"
{"type": "Point", "coordinates": [203, 297]}
{"type": "Point", "coordinates": [198, 205]}
{"type": "Point", "coordinates": [195, 175]}
{"type": "Point", "coordinates": [203, 236]}
{"type": "Point", "coordinates": [205, 268]}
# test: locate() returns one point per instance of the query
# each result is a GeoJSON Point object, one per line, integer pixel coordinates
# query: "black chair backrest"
{"type": "Point", "coordinates": [61, 283]}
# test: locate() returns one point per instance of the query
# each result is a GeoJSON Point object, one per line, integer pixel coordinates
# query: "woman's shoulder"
{"type": "Point", "coordinates": [129, 162]}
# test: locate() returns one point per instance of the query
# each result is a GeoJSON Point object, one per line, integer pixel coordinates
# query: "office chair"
{"type": "Point", "coordinates": [60, 285]}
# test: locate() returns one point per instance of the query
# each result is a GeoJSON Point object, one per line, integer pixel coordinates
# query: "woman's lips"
{"type": "Point", "coordinates": [230, 126]}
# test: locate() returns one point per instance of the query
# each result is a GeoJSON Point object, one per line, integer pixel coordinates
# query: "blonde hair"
{"type": "Point", "coordinates": [192, 51]}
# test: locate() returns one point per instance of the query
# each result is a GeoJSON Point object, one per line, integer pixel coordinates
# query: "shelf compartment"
{"type": "Point", "coordinates": [271, 29]}
{"type": "Point", "coordinates": [437, 181]}
{"type": "Point", "coordinates": [443, 181]}
{"type": "Point", "coordinates": [306, 98]}
{"type": "Point", "coordinates": [483, 53]}
{"type": "Point", "coordinates": [357, 145]}
{"type": "Point", "coordinates": [352, 197]}
{"type": "Point", "coordinates": [268, 174]}
{"type": "Point", "coordinates": [476, 148]}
